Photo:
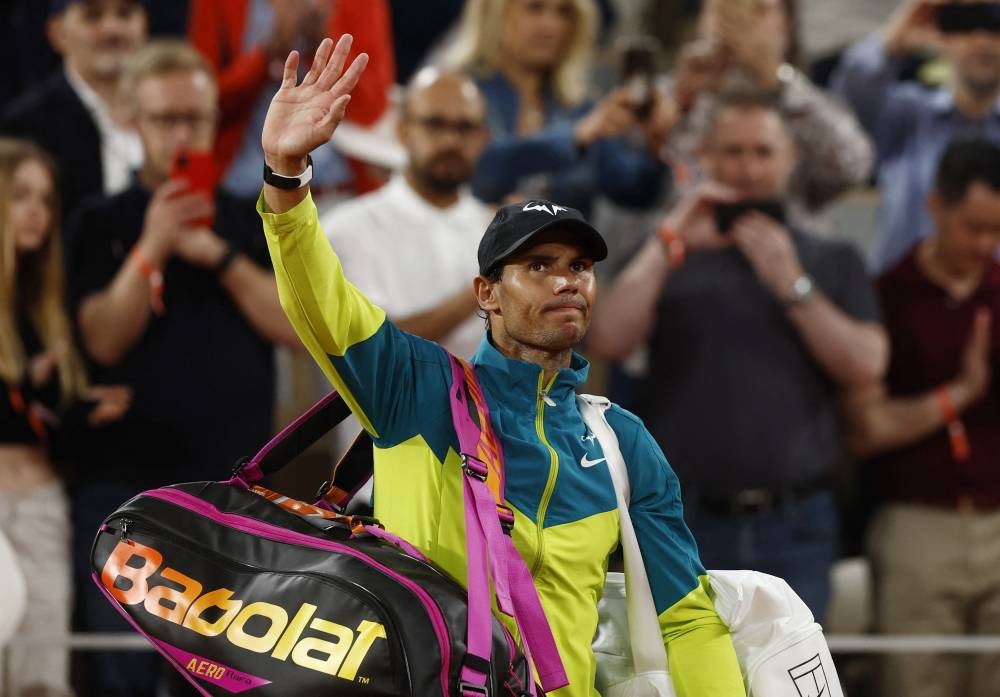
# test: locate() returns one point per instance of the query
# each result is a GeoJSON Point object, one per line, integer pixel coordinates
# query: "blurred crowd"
{"type": "Point", "coordinates": [821, 382]}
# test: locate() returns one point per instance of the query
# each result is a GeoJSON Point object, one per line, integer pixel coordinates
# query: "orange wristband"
{"type": "Point", "coordinates": [155, 277]}
{"type": "Point", "coordinates": [676, 250]}
{"type": "Point", "coordinates": [961, 449]}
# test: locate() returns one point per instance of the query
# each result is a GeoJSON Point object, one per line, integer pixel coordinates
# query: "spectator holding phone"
{"type": "Point", "coordinates": [531, 59]}
{"type": "Point", "coordinates": [184, 314]}
{"type": "Point", "coordinates": [753, 44]}
{"type": "Point", "coordinates": [44, 398]}
{"type": "Point", "coordinates": [931, 432]}
{"type": "Point", "coordinates": [911, 125]}
{"type": "Point", "coordinates": [752, 330]}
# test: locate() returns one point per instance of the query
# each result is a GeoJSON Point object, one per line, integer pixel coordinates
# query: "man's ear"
{"type": "Point", "coordinates": [54, 33]}
{"type": "Point", "coordinates": [486, 294]}
{"type": "Point", "coordinates": [936, 207]}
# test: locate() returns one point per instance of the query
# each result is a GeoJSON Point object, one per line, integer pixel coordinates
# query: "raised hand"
{"type": "Point", "coordinates": [173, 212]}
{"type": "Point", "coordinates": [693, 218]}
{"type": "Point", "coordinates": [304, 116]}
{"type": "Point", "coordinates": [911, 28]}
{"type": "Point", "coordinates": [768, 247]}
{"type": "Point", "coordinates": [975, 374]}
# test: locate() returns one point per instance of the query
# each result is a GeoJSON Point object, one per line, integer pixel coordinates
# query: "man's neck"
{"type": "Point", "coordinates": [105, 89]}
{"type": "Point", "coordinates": [974, 104]}
{"type": "Point", "coordinates": [957, 282]}
{"type": "Point", "coordinates": [551, 362]}
{"type": "Point", "coordinates": [438, 199]}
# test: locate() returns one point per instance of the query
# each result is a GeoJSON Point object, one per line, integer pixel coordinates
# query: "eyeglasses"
{"type": "Point", "coordinates": [169, 120]}
{"type": "Point", "coordinates": [438, 125]}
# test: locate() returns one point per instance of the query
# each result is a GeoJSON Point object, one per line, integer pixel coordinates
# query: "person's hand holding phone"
{"type": "Point", "coordinates": [700, 66]}
{"type": "Point", "coordinates": [174, 211]}
{"type": "Point", "coordinates": [693, 218]}
{"type": "Point", "coordinates": [611, 117]}
{"type": "Point", "coordinates": [768, 247]}
{"type": "Point", "coordinates": [913, 27]}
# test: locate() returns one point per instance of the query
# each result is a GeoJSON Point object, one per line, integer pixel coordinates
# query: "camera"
{"type": "Point", "coordinates": [965, 18]}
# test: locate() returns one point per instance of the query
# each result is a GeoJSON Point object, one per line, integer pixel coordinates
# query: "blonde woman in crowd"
{"type": "Point", "coordinates": [532, 61]}
{"type": "Point", "coordinates": [43, 391]}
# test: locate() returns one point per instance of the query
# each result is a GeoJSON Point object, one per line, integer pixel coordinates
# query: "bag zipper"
{"type": "Point", "coordinates": [272, 532]}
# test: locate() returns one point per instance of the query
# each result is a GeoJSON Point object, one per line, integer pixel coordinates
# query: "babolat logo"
{"type": "Point", "coordinates": [340, 652]}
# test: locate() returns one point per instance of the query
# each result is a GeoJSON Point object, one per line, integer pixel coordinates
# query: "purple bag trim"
{"type": "Point", "coordinates": [156, 644]}
{"type": "Point", "coordinates": [272, 532]}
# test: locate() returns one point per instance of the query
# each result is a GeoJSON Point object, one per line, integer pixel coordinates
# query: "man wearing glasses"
{"type": "Point", "coordinates": [173, 294]}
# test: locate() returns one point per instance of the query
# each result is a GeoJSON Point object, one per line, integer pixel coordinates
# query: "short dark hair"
{"type": "Point", "coordinates": [965, 162]}
{"type": "Point", "coordinates": [740, 98]}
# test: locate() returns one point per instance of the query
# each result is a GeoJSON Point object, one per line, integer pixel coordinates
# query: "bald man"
{"type": "Point", "coordinates": [411, 245]}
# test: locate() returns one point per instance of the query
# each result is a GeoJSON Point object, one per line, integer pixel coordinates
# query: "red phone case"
{"type": "Point", "coordinates": [198, 169]}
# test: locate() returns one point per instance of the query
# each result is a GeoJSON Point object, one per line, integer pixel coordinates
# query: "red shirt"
{"type": "Point", "coordinates": [929, 330]}
{"type": "Point", "coordinates": [215, 28]}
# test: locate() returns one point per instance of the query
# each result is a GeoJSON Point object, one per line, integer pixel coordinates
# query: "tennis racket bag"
{"type": "Point", "coordinates": [244, 590]}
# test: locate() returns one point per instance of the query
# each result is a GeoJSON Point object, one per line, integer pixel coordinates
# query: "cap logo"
{"type": "Point", "coordinates": [551, 210]}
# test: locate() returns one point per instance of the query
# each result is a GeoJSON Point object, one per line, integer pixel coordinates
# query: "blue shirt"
{"type": "Point", "coordinates": [548, 164]}
{"type": "Point", "coordinates": [911, 127]}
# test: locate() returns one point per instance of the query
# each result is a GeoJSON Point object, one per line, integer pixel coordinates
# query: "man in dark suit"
{"type": "Point", "coordinates": [71, 114]}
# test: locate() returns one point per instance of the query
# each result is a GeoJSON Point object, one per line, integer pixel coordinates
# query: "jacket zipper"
{"type": "Point", "coordinates": [550, 483]}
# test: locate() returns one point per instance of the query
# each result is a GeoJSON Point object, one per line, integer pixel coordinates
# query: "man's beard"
{"type": "Point", "coordinates": [441, 183]}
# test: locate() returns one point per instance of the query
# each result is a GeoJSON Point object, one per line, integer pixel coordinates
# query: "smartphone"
{"type": "Point", "coordinates": [726, 214]}
{"type": "Point", "coordinates": [965, 18]}
{"type": "Point", "coordinates": [639, 56]}
{"type": "Point", "coordinates": [198, 169]}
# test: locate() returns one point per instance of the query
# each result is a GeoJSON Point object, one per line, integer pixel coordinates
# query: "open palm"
{"type": "Point", "coordinates": [302, 117]}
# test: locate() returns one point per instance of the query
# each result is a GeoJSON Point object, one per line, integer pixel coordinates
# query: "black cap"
{"type": "Point", "coordinates": [516, 224]}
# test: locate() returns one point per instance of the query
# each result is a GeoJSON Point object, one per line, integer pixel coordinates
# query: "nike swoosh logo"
{"type": "Point", "coordinates": [584, 462]}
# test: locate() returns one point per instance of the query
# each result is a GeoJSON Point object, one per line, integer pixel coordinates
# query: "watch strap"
{"type": "Point", "coordinates": [280, 181]}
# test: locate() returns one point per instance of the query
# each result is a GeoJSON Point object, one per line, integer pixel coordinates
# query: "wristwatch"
{"type": "Point", "coordinates": [280, 181]}
{"type": "Point", "coordinates": [802, 290]}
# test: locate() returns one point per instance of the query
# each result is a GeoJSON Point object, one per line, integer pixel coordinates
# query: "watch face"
{"type": "Point", "coordinates": [802, 288]}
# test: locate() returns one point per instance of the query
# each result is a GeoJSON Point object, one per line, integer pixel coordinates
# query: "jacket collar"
{"type": "Point", "coordinates": [518, 380]}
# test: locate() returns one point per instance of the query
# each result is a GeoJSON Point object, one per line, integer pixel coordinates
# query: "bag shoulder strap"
{"type": "Point", "coordinates": [645, 637]}
{"type": "Point", "coordinates": [490, 551]}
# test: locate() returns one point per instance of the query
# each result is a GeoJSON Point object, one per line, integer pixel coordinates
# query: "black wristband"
{"type": "Point", "coordinates": [281, 181]}
{"type": "Point", "coordinates": [226, 261]}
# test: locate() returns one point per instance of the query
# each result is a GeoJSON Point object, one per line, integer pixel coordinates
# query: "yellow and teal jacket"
{"type": "Point", "coordinates": [557, 480]}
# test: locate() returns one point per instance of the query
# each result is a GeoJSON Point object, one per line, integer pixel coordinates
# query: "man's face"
{"type": "Point", "coordinates": [544, 297]}
{"type": "Point", "coordinates": [444, 132]}
{"type": "Point", "coordinates": [968, 232]}
{"type": "Point", "coordinates": [976, 59]}
{"type": "Point", "coordinates": [749, 151]}
{"type": "Point", "coordinates": [96, 37]}
{"type": "Point", "coordinates": [174, 111]}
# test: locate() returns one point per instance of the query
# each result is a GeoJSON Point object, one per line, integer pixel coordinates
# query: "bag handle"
{"type": "Point", "coordinates": [648, 652]}
{"type": "Point", "coordinates": [295, 438]}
